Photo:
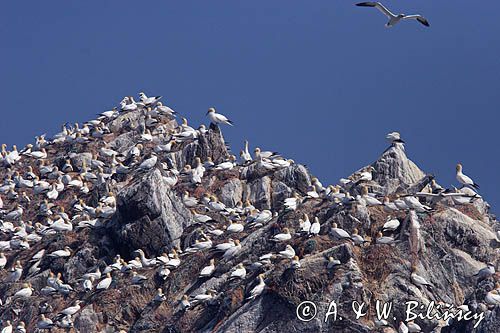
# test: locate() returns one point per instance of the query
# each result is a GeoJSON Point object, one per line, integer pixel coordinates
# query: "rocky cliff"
{"type": "Point", "coordinates": [133, 222]}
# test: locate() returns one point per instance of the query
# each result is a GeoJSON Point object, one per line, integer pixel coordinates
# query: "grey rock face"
{"type": "Point", "coordinates": [149, 216]}
{"type": "Point", "coordinates": [394, 170]}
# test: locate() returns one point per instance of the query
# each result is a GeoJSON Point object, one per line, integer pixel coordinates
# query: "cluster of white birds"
{"type": "Point", "coordinates": [56, 193]}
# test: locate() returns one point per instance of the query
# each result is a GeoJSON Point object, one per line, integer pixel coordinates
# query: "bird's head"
{"type": "Point", "coordinates": [401, 15]}
{"type": "Point", "coordinates": [210, 110]}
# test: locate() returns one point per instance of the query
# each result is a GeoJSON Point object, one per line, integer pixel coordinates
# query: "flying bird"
{"type": "Point", "coordinates": [393, 19]}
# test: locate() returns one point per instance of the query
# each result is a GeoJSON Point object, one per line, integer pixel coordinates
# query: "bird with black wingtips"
{"type": "Point", "coordinates": [218, 118]}
{"type": "Point", "coordinates": [393, 18]}
{"type": "Point", "coordinates": [464, 179]}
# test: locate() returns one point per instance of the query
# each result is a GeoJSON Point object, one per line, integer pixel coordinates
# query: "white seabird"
{"type": "Point", "coordinates": [259, 288]}
{"type": "Point", "coordinates": [463, 179]}
{"type": "Point", "coordinates": [218, 118]}
{"type": "Point", "coordinates": [208, 270]}
{"type": "Point", "coordinates": [393, 18]}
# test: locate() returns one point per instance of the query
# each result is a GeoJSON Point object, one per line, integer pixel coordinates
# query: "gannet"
{"type": "Point", "coordinates": [149, 163]}
{"type": "Point", "coordinates": [239, 272]}
{"type": "Point", "coordinates": [393, 19]}
{"type": "Point", "coordinates": [224, 246]}
{"type": "Point", "coordinates": [160, 296]}
{"type": "Point", "coordinates": [3, 260]}
{"type": "Point", "coordinates": [258, 289]}
{"type": "Point", "coordinates": [492, 297]}
{"type": "Point", "coordinates": [295, 263]}
{"type": "Point", "coordinates": [288, 252]}
{"type": "Point", "coordinates": [7, 328]}
{"type": "Point", "coordinates": [389, 206]}
{"type": "Point", "coordinates": [218, 118]}
{"type": "Point", "coordinates": [25, 292]}
{"type": "Point", "coordinates": [228, 165]}
{"type": "Point", "coordinates": [417, 279]}
{"type": "Point", "coordinates": [208, 270]}
{"type": "Point", "coordinates": [339, 233]}
{"type": "Point", "coordinates": [293, 202]}
{"type": "Point", "coordinates": [400, 204]}
{"type": "Point", "coordinates": [485, 272]}
{"type": "Point", "coordinates": [146, 262]}
{"type": "Point", "coordinates": [259, 154]}
{"type": "Point", "coordinates": [232, 251]}
{"type": "Point", "coordinates": [356, 238]}
{"type": "Point", "coordinates": [104, 283]}
{"type": "Point", "coordinates": [332, 263]}
{"type": "Point", "coordinates": [367, 199]}
{"type": "Point", "coordinates": [306, 224]}
{"type": "Point", "coordinates": [15, 273]}
{"type": "Point", "coordinates": [315, 226]}
{"type": "Point", "coordinates": [391, 224]}
{"type": "Point", "coordinates": [463, 179]}
{"type": "Point", "coordinates": [402, 328]}
{"type": "Point", "coordinates": [200, 218]}
{"type": "Point", "coordinates": [235, 227]}
{"type": "Point", "coordinates": [138, 278]}
{"type": "Point", "coordinates": [148, 100]}
{"type": "Point", "coordinates": [381, 239]}
{"type": "Point", "coordinates": [69, 311]}
{"type": "Point", "coordinates": [188, 200]}
{"type": "Point", "coordinates": [44, 323]}
{"type": "Point", "coordinates": [21, 327]}
{"type": "Point", "coordinates": [164, 110]}
{"type": "Point", "coordinates": [413, 327]}
{"type": "Point", "coordinates": [245, 154]}
{"type": "Point", "coordinates": [284, 236]}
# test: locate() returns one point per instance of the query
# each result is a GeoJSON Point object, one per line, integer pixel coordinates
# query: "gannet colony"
{"type": "Point", "coordinates": [134, 222]}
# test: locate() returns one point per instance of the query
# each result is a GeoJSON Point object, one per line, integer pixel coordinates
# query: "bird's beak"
{"type": "Point", "coordinates": [207, 112]}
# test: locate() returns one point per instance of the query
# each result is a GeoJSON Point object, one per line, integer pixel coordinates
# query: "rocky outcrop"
{"type": "Point", "coordinates": [148, 216]}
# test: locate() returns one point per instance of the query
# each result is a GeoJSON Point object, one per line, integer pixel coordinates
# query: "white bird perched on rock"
{"type": "Point", "coordinates": [7, 328]}
{"type": "Point", "coordinates": [104, 283]}
{"type": "Point", "coordinates": [258, 289]}
{"type": "Point", "coordinates": [381, 239]}
{"type": "Point", "coordinates": [413, 203]}
{"type": "Point", "coordinates": [393, 18]}
{"type": "Point", "coordinates": [357, 238]}
{"type": "Point", "coordinates": [3, 260]}
{"type": "Point", "coordinates": [417, 279]}
{"type": "Point", "coordinates": [463, 179]}
{"type": "Point", "coordinates": [391, 224]}
{"type": "Point", "coordinates": [66, 252]}
{"type": "Point", "coordinates": [413, 327]}
{"type": "Point", "coordinates": [282, 237]}
{"type": "Point", "coordinates": [402, 328]}
{"type": "Point", "coordinates": [69, 311]}
{"type": "Point", "coordinates": [493, 297]}
{"type": "Point", "coordinates": [367, 199]}
{"type": "Point", "coordinates": [24, 292]}
{"type": "Point", "coordinates": [315, 227]}
{"type": "Point", "coordinates": [44, 323]}
{"type": "Point", "coordinates": [232, 251]}
{"type": "Point", "coordinates": [208, 270]}
{"type": "Point", "coordinates": [332, 263]}
{"type": "Point", "coordinates": [218, 118]}
{"type": "Point", "coordinates": [339, 233]}
{"type": "Point", "coordinates": [148, 100]}
{"type": "Point", "coordinates": [149, 163]}
{"type": "Point", "coordinates": [288, 252]}
{"type": "Point", "coordinates": [239, 272]}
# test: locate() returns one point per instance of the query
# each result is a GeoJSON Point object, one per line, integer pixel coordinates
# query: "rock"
{"type": "Point", "coordinates": [149, 216]}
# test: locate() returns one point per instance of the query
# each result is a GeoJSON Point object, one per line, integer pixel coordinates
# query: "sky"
{"type": "Point", "coordinates": [321, 82]}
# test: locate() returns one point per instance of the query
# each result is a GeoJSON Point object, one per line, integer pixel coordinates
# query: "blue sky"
{"type": "Point", "coordinates": [321, 82]}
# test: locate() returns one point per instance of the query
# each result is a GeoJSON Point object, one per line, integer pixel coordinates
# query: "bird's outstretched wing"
{"type": "Point", "coordinates": [377, 5]}
{"type": "Point", "coordinates": [419, 18]}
